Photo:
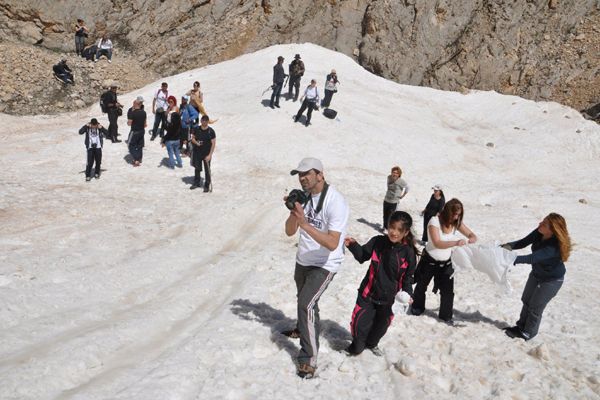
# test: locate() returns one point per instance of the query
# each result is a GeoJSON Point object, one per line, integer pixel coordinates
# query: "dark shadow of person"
{"type": "Point", "coordinates": [461, 317]}
{"type": "Point", "coordinates": [189, 180]}
{"type": "Point", "coordinates": [266, 103]}
{"type": "Point", "coordinates": [373, 225]}
{"type": "Point", "coordinates": [277, 321]}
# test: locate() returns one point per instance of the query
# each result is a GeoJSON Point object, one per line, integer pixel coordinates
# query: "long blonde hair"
{"type": "Point", "coordinates": [558, 226]}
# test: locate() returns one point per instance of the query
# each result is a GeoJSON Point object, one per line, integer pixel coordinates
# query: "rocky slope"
{"type": "Point", "coordinates": [538, 49]}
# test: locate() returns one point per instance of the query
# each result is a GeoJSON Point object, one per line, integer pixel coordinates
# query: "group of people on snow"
{"type": "Point", "coordinates": [181, 129]}
{"type": "Point", "coordinates": [310, 99]}
{"type": "Point", "coordinates": [396, 263]}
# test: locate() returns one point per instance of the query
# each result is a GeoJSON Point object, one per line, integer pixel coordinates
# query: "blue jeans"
{"type": "Point", "coordinates": [106, 52]}
{"type": "Point", "coordinates": [173, 150]}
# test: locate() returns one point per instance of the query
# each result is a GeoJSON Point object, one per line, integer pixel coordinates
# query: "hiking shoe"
{"type": "Point", "coordinates": [292, 333]}
{"type": "Point", "coordinates": [306, 371]}
{"type": "Point", "coordinates": [376, 351]}
{"type": "Point", "coordinates": [195, 186]}
{"type": "Point", "coordinates": [277, 105]}
{"type": "Point", "coordinates": [516, 333]}
{"type": "Point", "coordinates": [349, 351]}
{"type": "Point", "coordinates": [88, 178]}
{"type": "Point", "coordinates": [97, 176]}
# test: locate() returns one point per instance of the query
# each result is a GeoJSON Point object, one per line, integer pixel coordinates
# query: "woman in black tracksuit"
{"type": "Point", "coordinates": [433, 208]}
{"type": "Point", "coordinates": [393, 261]}
{"type": "Point", "coordinates": [551, 247]}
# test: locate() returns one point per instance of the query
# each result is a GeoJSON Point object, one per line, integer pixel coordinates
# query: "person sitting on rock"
{"type": "Point", "coordinates": [62, 72]}
{"type": "Point", "coordinates": [89, 53]}
{"type": "Point", "coordinates": [105, 47]}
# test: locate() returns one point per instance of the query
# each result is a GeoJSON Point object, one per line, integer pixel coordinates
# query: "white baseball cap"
{"type": "Point", "coordinates": [307, 164]}
{"type": "Point", "coordinates": [437, 187]}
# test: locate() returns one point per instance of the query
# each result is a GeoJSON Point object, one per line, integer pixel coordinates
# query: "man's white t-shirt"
{"type": "Point", "coordinates": [434, 252]}
{"type": "Point", "coordinates": [161, 99]}
{"type": "Point", "coordinates": [332, 217]}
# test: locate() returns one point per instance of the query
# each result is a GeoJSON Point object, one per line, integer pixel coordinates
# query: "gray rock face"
{"type": "Point", "coordinates": [538, 49]}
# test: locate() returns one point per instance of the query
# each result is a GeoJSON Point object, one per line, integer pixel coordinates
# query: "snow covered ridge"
{"type": "Point", "coordinates": [134, 287]}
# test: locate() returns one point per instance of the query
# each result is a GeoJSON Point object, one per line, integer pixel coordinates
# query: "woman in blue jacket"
{"type": "Point", "coordinates": [550, 248]}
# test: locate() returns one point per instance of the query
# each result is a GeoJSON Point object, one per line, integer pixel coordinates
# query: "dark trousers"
{"type": "Point", "coordinates": [311, 282]}
{"type": "Point", "coordinates": [294, 83]}
{"type": "Point", "coordinates": [136, 145]}
{"type": "Point", "coordinates": [197, 171]}
{"type": "Point", "coordinates": [388, 209]}
{"type": "Point", "coordinates": [93, 155]}
{"type": "Point", "coordinates": [306, 104]}
{"type": "Point", "coordinates": [536, 296]}
{"type": "Point", "coordinates": [113, 128]}
{"type": "Point", "coordinates": [328, 96]}
{"type": "Point", "coordinates": [79, 44]}
{"type": "Point", "coordinates": [276, 94]}
{"type": "Point", "coordinates": [426, 218]}
{"type": "Point", "coordinates": [441, 272]}
{"type": "Point", "coordinates": [369, 323]}
{"type": "Point", "coordinates": [159, 119]}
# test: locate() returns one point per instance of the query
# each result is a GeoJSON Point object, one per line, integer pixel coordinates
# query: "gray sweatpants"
{"type": "Point", "coordinates": [311, 282]}
{"type": "Point", "coordinates": [536, 296]}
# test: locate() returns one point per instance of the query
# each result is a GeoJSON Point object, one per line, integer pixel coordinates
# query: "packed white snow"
{"type": "Point", "coordinates": [135, 287]}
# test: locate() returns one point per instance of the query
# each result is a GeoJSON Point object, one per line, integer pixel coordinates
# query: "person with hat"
{"type": "Point", "coordinates": [136, 119]}
{"type": "Point", "coordinates": [94, 133]}
{"type": "Point", "coordinates": [189, 121]}
{"type": "Point", "coordinates": [296, 69]}
{"type": "Point", "coordinates": [432, 209]}
{"type": "Point", "coordinates": [278, 79]}
{"type": "Point", "coordinates": [321, 222]}
{"type": "Point", "coordinates": [397, 188]}
{"type": "Point", "coordinates": [331, 82]}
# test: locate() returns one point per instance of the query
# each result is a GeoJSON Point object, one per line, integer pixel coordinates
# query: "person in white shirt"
{"type": "Point", "coordinates": [311, 101]}
{"type": "Point", "coordinates": [105, 47]}
{"type": "Point", "coordinates": [436, 260]}
{"type": "Point", "coordinates": [159, 109]}
{"type": "Point", "coordinates": [321, 220]}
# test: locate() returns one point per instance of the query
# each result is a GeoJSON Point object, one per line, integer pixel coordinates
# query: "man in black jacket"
{"type": "Point", "coordinates": [278, 79]}
{"type": "Point", "coordinates": [113, 109]}
{"type": "Point", "coordinates": [94, 133]}
{"type": "Point", "coordinates": [62, 72]}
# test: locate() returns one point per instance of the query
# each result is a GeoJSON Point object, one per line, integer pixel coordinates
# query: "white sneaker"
{"type": "Point", "coordinates": [109, 61]}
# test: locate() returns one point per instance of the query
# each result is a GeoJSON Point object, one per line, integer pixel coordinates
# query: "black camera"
{"type": "Point", "coordinates": [296, 195]}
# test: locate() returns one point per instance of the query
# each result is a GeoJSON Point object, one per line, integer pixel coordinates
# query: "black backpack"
{"type": "Point", "coordinates": [104, 99]}
{"type": "Point", "coordinates": [329, 113]}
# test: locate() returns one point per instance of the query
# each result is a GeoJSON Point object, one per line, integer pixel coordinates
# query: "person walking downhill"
{"type": "Point", "coordinates": [94, 133]}
{"type": "Point", "coordinates": [436, 260]}
{"type": "Point", "coordinates": [393, 261]}
{"type": "Point", "coordinates": [311, 101]}
{"type": "Point", "coordinates": [278, 79]}
{"type": "Point", "coordinates": [397, 188]}
{"type": "Point", "coordinates": [321, 221]}
{"type": "Point", "coordinates": [550, 249]}
{"type": "Point", "coordinates": [204, 141]}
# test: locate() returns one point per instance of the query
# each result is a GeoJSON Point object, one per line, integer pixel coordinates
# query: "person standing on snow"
{"type": "Point", "coordinates": [204, 141]}
{"type": "Point", "coordinates": [136, 119]}
{"type": "Point", "coordinates": [551, 248]}
{"type": "Point", "coordinates": [322, 223]}
{"type": "Point", "coordinates": [94, 133]}
{"type": "Point", "coordinates": [397, 189]}
{"type": "Point", "coordinates": [278, 79]}
{"type": "Point", "coordinates": [432, 209]}
{"type": "Point", "coordinates": [311, 101]}
{"type": "Point", "coordinates": [331, 82]}
{"type": "Point", "coordinates": [296, 70]}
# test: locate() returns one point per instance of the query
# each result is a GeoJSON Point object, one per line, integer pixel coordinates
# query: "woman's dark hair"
{"type": "Point", "coordinates": [447, 215]}
{"type": "Point", "coordinates": [406, 222]}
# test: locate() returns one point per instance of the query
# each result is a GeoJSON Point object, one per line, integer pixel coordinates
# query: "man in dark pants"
{"type": "Point", "coordinates": [113, 108]}
{"type": "Point", "coordinates": [204, 141]}
{"type": "Point", "coordinates": [136, 119]}
{"type": "Point", "coordinates": [296, 72]}
{"type": "Point", "coordinates": [93, 143]}
{"type": "Point", "coordinates": [278, 79]}
{"type": "Point", "coordinates": [321, 222]}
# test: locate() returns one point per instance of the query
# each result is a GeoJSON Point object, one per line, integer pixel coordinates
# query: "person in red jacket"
{"type": "Point", "coordinates": [393, 262]}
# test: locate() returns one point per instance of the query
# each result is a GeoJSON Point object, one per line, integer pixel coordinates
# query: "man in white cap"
{"type": "Point", "coordinates": [322, 222]}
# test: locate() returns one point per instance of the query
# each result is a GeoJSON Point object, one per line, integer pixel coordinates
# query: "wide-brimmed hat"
{"type": "Point", "coordinates": [297, 56]}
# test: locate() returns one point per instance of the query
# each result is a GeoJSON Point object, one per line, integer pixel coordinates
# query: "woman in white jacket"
{"type": "Point", "coordinates": [311, 101]}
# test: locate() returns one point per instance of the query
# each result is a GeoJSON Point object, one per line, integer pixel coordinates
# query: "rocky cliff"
{"type": "Point", "coordinates": [538, 49]}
